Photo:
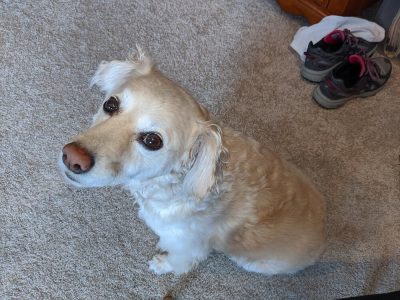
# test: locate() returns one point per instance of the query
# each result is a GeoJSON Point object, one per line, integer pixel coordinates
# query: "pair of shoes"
{"type": "Point", "coordinates": [341, 63]}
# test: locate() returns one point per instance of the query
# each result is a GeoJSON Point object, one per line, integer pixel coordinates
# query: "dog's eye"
{"type": "Point", "coordinates": [111, 106]}
{"type": "Point", "coordinates": [151, 140]}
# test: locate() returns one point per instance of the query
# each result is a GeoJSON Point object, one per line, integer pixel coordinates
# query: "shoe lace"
{"type": "Point", "coordinates": [350, 39]}
{"type": "Point", "coordinates": [372, 69]}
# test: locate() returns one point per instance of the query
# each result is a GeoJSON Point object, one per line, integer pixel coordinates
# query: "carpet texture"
{"type": "Point", "coordinates": [58, 242]}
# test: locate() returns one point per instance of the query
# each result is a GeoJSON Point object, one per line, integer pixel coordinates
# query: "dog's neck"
{"type": "Point", "coordinates": [165, 196]}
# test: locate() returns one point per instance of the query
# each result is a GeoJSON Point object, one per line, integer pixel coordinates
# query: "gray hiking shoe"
{"type": "Point", "coordinates": [357, 76]}
{"type": "Point", "coordinates": [329, 52]}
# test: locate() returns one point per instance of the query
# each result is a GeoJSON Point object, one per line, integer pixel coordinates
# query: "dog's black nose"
{"type": "Point", "coordinates": [77, 159]}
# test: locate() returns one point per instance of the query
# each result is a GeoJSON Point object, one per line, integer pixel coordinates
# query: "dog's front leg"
{"type": "Point", "coordinates": [181, 254]}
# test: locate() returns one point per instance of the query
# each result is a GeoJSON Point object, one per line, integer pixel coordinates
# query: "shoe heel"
{"type": "Point", "coordinates": [323, 101]}
{"type": "Point", "coordinates": [311, 75]}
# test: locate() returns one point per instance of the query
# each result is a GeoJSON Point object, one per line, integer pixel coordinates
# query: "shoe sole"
{"type": "Point", "coordinates": [325, 102]}
{"type": "Point", "coordinates": [318, 76]}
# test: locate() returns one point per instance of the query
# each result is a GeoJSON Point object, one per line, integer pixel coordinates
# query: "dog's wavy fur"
{"type": "Point", "coordinates": [209, 187]}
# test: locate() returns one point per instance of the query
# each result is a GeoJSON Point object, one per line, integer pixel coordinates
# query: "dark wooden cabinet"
{"type": "Point", "coordinates": [315, 10]}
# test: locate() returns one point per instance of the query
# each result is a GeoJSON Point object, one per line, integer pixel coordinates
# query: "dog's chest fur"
{"type": "Point", "coordinates": [169, 212]}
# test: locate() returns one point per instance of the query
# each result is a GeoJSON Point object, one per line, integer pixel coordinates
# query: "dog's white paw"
{"type": "Point", "coordinates": [159, 264]}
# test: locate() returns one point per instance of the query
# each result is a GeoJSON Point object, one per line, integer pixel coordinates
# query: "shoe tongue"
{"type": "Point", "coordinates": [358, 59]}
{"type": "Point", "coordinates": [336, 36]}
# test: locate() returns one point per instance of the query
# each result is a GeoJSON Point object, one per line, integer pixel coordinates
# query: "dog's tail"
{"type": "Point", "coordinates": [112, 75]}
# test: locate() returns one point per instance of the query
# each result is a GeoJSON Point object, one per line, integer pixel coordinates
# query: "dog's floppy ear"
{"type": "Point", "coordinates": [205, 160]}
{"type": "Point", "coordinates": [112, 75]}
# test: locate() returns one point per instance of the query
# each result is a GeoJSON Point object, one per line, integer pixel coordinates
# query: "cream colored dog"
{"type": "Point", "coordinates": [199, 186]}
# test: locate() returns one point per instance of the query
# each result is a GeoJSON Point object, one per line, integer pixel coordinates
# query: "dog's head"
{"type": "Point", "coordinates": [146, 127]}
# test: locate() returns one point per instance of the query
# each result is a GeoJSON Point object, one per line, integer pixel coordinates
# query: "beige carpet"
{"type": "Point", "coordinates": [58, 242]}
